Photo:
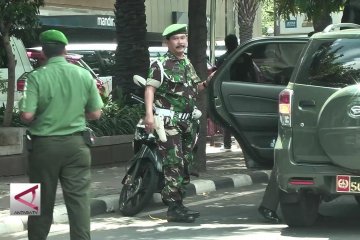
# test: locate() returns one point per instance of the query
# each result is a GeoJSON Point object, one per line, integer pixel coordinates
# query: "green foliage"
{"type": "Point", "coordinates": [268, 17]}
{"type": "Point", "coordinates": [311, 8]}
{"type": "Point", "coordinates": [117, 120]}
{"type": "Point", "coordinates": [3, 85]}
{"type": "Point", "coordinates": [16, 122]}
{"type": "Point", "coordinates": [19, 17]}
{"type": "Point", "coordinates": [118, 117]}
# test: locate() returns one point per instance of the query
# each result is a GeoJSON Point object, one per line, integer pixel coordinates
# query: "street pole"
{"type": "Point", "coordinates": [212, 31]}
{"type": "Point", "coordinates": [226, 18]}
{"type": "Point", "coordinates": [276, 22]}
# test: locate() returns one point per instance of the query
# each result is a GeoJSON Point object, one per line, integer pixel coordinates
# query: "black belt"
{"type": "Point", "coordinates": [170, 113]}
{"type": "Point", "coordinates": [67, 135]}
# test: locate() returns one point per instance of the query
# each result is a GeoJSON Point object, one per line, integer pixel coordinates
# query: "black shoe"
{"type": "Point", "coordinates": [196, 214]}
{"type": "Point", "coordinates": [176, 214]}
{"type": "Point", "coordinates": [186, 179]}
{"type": "Point", "coordinates": [269, 214]}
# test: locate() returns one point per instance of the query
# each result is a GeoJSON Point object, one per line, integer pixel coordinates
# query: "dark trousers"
{"type": "Point", "coordinates": [227, 138]}
{"type": "Point", "coordinates": [67, 159]}
{"type": "Point", "coordinates": [271, 196]}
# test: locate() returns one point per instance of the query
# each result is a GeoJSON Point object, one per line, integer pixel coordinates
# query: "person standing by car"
{"type": "Point", "coordinates": [270, 201]}
{"type": "Point", "coordinates": [231, 43]}
{"type": "Point", "coordinates": [172, 85]}
{"type": "Point", "coordinates": [57, 99]}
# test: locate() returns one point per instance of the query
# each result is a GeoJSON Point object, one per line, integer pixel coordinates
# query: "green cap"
{"type": "Point", "coordinates": [174, 29]}
{"type": "Point", "coordinates": [52, 35]}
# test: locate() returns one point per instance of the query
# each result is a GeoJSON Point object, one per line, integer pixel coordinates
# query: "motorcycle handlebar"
{"type": "Point", "coordinates": [137, 98]}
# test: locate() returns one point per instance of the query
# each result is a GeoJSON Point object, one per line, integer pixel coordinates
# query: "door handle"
{"type": "Point", "coordinates": [307, 103]}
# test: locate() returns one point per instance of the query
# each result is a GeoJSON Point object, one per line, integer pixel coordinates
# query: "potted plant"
{"type": "Point", "coordinates": [114, 131]}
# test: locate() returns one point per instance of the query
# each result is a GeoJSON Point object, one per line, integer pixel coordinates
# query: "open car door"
{"type": "Point", "coordinates": [243, 94]}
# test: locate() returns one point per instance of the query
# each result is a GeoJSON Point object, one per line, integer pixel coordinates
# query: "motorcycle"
{"type": "Point", "coordinates": [144, 176]}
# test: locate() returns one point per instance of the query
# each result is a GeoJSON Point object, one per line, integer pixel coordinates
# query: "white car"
{"type": "Point", "coordinates": [22, 65]}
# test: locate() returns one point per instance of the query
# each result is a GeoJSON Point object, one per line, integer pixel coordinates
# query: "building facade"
{"type": "Point", "coordinates": [300, 25]}
{"type": "Point", "coordinates": [93, 20]}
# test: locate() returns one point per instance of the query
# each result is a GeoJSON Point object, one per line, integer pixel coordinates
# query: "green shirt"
{"type": "Point", "coordinates": [59, 94]}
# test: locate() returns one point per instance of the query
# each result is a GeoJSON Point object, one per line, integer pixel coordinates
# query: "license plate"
{"type": "Point", "coordinates": [348, 184]}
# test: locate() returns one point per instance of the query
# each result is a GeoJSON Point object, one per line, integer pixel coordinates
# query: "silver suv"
{"type": "Point", "coordinates": [317, 152]}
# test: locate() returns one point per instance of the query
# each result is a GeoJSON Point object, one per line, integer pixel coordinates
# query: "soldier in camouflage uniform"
{"type": "Point", "coordinates": [172, 85]}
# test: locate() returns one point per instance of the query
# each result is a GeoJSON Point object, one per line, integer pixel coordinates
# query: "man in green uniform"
{"type": "Point", "coordinates": [57, 99]}
{"type": "Point", "coordinates": [172, 85]}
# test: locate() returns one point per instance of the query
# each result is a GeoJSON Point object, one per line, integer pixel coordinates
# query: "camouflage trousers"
{"type": "Point", "coordinates": [177, 153]}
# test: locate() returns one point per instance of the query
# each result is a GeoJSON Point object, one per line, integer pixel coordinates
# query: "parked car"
{"type": "Point", "coordinates": [37, 59]}
{"type": "Point", "coordinates": [22, 65]}
{"type": "Point", "coordinates": [243, 94]}
{"type": "Point", "coordinates": [310, 124]}
{"type": "Point", "coordinates": [99, 56]}
{"type": "Point", "coordinates": [317, 153]}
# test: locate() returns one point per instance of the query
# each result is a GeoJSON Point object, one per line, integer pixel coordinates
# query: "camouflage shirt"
{"type": "Point", "coordinates": [179, 87]}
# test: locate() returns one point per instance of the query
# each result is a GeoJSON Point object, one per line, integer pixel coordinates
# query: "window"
{"type": "Point", "coordinates": [333, 63]}
{"type": "Point", "coordinates": [101, 61]}
{"type": "Point", "coordinates": [268, 63]}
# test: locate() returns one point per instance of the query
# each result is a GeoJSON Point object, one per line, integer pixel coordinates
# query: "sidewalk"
{"type": "Point", "coordinates": [224, 170]}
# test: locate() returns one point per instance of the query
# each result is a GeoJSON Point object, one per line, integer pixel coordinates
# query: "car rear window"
{"type": "Point", "coordinates": [331, 63]}
{"type": "Point", "coordinates": [268, 63]}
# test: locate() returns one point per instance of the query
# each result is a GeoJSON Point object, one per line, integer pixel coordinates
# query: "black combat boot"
{"type": "Point", "coordinates": [176, 214]}
{"type": "Point", "coordinates": [269, 214]}
{"type": "Point", "coordinates": [196, 214]}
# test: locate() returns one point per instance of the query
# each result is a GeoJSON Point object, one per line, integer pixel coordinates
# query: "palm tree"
{"type": "Point", "coordinates": [132, 55]}
{"type": "Point", "coordinates": [246, 12]}
{"type": "Point", "coordinates": [197, 55]}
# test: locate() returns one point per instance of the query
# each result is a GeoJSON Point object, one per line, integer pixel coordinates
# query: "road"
{"type": "Point", "coordinates": [225, 215]}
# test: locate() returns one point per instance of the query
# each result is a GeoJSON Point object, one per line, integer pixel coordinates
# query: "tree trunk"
{"type": "Point", "coordinates": [197, 55]}
{"type": "Point", "coordinates": [11, 81]}
{"type": "Point", "coordinates": [321, 21]}
{"type": "Point", "coordinates": [132, 54]}
{"type": "Point", "coordinates": [246, 31]}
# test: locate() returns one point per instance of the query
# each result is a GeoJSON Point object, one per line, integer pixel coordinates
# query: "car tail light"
{"type": "Point", "coordinates": [285, 100]}
{"type": "Point", "coordinates": [302, 181]}
{"type": "Point", "coordinates": [20, 83]}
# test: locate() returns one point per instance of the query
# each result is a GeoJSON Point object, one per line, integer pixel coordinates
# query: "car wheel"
{"type": "Point", "coordinates": [299, 209]}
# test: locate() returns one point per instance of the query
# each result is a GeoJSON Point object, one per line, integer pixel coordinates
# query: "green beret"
{"type": "Point", "coordinates": [51, 36]}
{"type": "Point", "coordinates": [174, 29]}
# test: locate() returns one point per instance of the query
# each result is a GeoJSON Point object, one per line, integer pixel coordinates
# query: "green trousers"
{"type": "Point", "coordinates": [67, 159]}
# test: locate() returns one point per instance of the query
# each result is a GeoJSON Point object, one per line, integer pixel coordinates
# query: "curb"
{"type": "Point", "coordinates": [110, 203]}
